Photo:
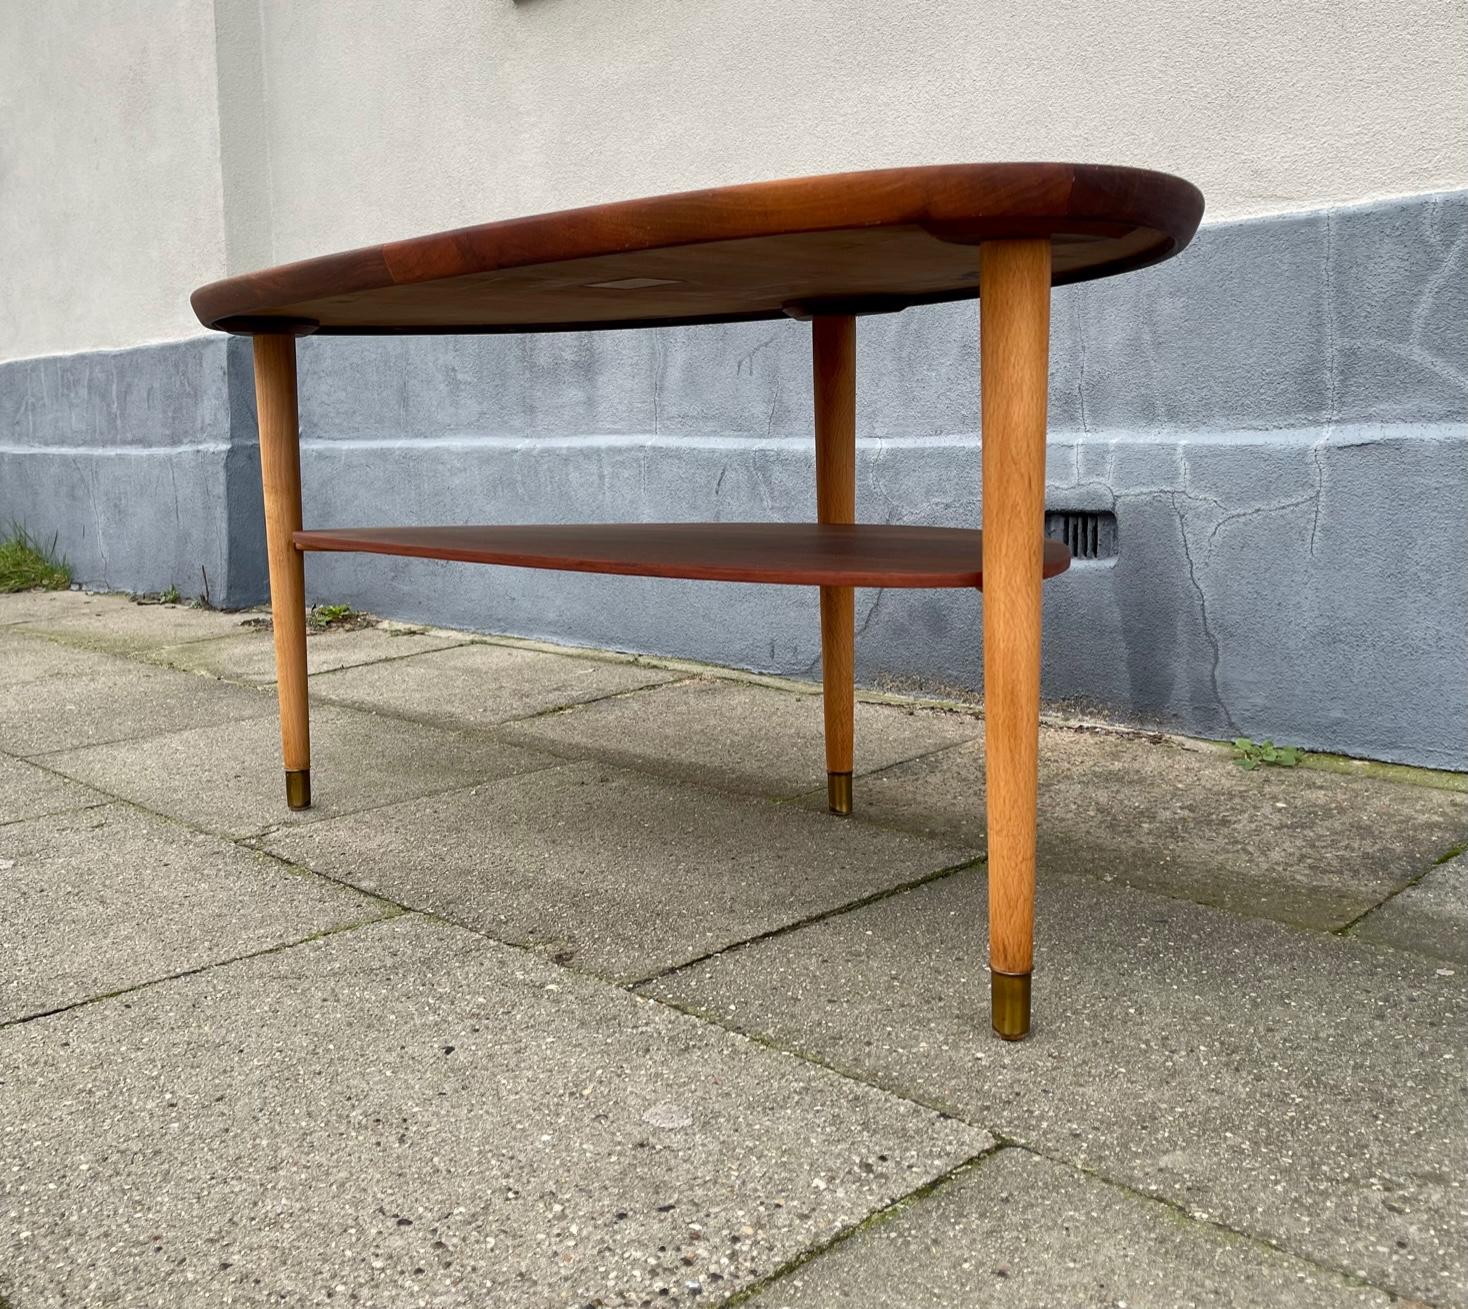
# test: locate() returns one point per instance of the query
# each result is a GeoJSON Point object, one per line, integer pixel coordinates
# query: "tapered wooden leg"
{"type": "Point", "coordinates": [280, 473]}
{"type": "Point", "coordinates": [833, 352]}
{"type": "Point", "coordinates": [1014, 304]}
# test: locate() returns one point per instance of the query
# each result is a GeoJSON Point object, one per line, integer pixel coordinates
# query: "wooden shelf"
{"type": "Point", "coordinates": [802, 554]}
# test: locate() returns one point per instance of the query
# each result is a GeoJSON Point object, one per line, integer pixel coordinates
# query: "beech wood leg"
{"type": "Point", "coordinates": [280, 474]}
{"type": "Point", "coordinates": [1014, 306]}
{"type": "Point", "coordinates": [833, 355]}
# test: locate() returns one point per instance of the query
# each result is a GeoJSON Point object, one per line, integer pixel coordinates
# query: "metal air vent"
{"type": "Point", "coordinates": [1089, 535]}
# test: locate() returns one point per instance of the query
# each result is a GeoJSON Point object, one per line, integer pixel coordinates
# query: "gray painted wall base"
{"type": "Point", "coordinates": [1278, 419]}
{"type": "Point", "coordinates": [144, 464]}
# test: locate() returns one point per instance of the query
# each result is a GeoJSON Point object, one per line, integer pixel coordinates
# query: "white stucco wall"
{"type": "Point", "coordinates": [382, 127]}
{"type": "Point", "coordinates": [109, 171]}
{"type": "Point", "coordinates": [342, 124]}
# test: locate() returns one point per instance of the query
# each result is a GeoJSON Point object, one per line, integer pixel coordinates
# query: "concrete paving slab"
{"type": "Point", "coordinates": [228, 778]}
{"type": "Point", "coordinates": [1430, 916]}
{"type": "Point", "coordinates": [407, 1114]}
{"type": "Point", "coordinates": [1301, 1088]}
{"type": "Point", "coordinates": [249, 656]}
{"type": "Point", "coordinates": [1299, 845]}
{"type": "Point", "coordinates": [1016, 1231]}
{"type": "Point", "coordinates": [42, 606]}
{"type": "Point", "coordinates": [102, 899]}
{"type": "Point", "coordinates": [34, 659]}
{"type": "Point", "coordinates": [618, 873]}
{"type": "Point", "coordinates": [131, 628]}
{"type": "Point", "coordinates": [30, 792]}
{"type": "Point", "coordinates": [63, 707]}
{"type": "Point", "coordinates": [481, 684]}
{"type": "Point", "coordinates": [741, 737]}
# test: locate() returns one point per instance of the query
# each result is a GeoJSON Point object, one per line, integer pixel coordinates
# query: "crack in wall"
{"type": "Point", "coordinates": [657, 383]}
{"type": "Point", "coordinates": [1208, 633]}
{"type": "Point", "coordinates": [1450, 267]}
{"type": "Point", "coordinates": [1332, 381]}
{"type": "Point", "coordinates": [812, 668]}
{"type": "Point", "coordinates": [871, 614]}
{"type": "Point", "coordinates": [1082, 352]}
{"type": "Point", "coordinates": [1239, 516]}
{"type": "Point", "coordinates": [745, 362]}
{"type": "Point", "coordinates": [89, 481]}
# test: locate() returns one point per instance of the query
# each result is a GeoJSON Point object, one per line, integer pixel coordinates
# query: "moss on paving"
{"type": "Point", "coordinates": [28, 565]}
{"type": "Point", "coordinates": [1438, 779]}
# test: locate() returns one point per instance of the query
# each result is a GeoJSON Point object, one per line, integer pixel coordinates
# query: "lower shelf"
{"type": "Point", "coordinates": [802, 554]}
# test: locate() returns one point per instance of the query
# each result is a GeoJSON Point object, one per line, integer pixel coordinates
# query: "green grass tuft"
{"type": "Point", "coordinates": [28, 565]}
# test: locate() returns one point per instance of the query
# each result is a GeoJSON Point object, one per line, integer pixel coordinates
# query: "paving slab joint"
{"type": "Point", "coordinates": [54, 813]}
{"type": "Point", "coordinates": [1002, 1141]}
{"type": "Point", "coordinates": [1183, 1215]}
{"type": "Point", "coordinates": [389, 658]}
{"type": "Point", "coordinates": [886, 893]}
{"type": "Point", "coordinates": [553, 710]}
{"type": "Point", "coordinates": [872, 1220]}
{"type": "Point", "coordinates": [871, 774]}
{"type": "Point", "coordinates": [300, 870]}
{"type": "Point", "coordinates": [1349, 929]}
{"type": "Point", "coordinates": [766, 1042]}
{"type": "Point", "coordinates": [278, 948]}
{"type": "Point", "coordinates": [245, 842]}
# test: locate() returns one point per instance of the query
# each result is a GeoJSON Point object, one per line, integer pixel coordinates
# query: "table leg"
{"type": "Point", "coordinates": [1014, 306]}
{"type": "Point", "coordinates": [833, 354]}
{"type": "Point", "coordinates": [280, 474]}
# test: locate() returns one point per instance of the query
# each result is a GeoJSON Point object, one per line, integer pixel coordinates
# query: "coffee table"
{"type": "Point", "coordinates": [823, 249]}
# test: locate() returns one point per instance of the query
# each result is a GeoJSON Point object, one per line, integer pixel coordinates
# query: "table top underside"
{"type": "Point", "coordinates": [844, 243]}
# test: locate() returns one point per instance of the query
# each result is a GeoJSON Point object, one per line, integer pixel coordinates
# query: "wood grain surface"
{"type": "Point", "coordinates": [1014, 339]}
{"type": "Point", "coordinates": [833, 377]}
{"type": "Point", "coordinates": [280, 475]}
{"type": "Point", "coordinates": [841, 243]}
{"type": "Point", "coordinates": [809, 554]}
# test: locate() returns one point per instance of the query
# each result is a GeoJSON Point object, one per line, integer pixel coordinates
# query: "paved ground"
{"type": "Point", "coordinates": [569, 993]}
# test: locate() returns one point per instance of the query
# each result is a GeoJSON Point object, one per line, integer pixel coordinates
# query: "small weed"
{"type": "Point", "coordinates": [203, 601]}
{"type": "Point", "coordinates": [170, 596]}
{"type": "Point", "coordinates": [27, 565]}
{"type": "Point", "coordinates": [1252, 754]}
{"type": "Point", "coordinates": [337, 618]}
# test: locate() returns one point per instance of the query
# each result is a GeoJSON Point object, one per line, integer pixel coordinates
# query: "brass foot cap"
{"type": "Point", "coordinates": [838, 792]}
{"type": "Point", "coordinates": [1009, 998]}
{"type": "Point", "coordinates": [298, 788]}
